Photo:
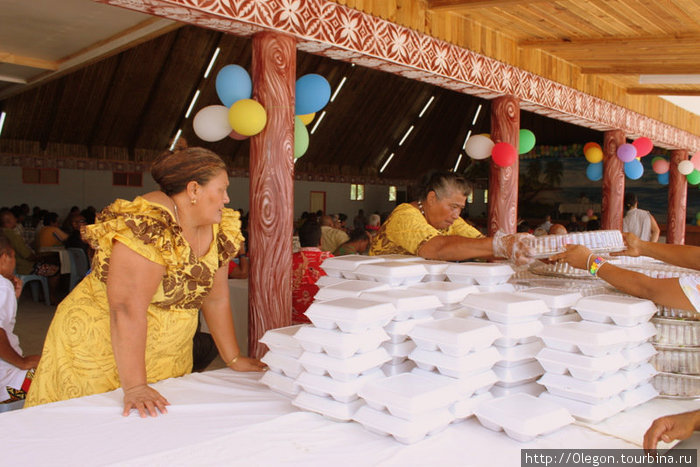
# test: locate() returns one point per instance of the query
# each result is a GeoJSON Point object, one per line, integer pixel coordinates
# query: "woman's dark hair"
{"type": "Point", "coordinates": [173, 171]}
{"type": "Point", "coordinates": [358, 234]}
{"type": "Point", "coordinates": [50, 218]}
{"type": "Point", "coordinates": [5, 245]}
{"type": "Point", "coordinates": [310, 234]}
{"type": "Point", "coordinates": [440, 183]}
{"type": "Point", "coordinates": [630, 201]}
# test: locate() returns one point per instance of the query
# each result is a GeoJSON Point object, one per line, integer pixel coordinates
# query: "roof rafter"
{"type": "Point", "coordinates": [456, 5]}
{"type": "Point", "coordinates": [7, 57]}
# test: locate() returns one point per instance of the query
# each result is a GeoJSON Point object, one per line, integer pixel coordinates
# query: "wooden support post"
{"type": "Point", "coordinates": [613, 181]}
{"type": "Point", "coordinates": [677, 199]}
{"type": "Point", "coordinates": [271, 189]}
{"type": "Point", "coordinates": [503, 181]}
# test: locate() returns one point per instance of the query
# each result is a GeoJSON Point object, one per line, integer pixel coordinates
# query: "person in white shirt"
{"type": "Point", "coordinates": [639, 222]}
{"type": "Point", "coordinates": [16, 370]}
{"type": "Point", "coordinates": [331, 238]}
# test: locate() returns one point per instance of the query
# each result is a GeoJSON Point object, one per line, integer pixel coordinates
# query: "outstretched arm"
{"type": "Point", "coordinates": [685, 256]}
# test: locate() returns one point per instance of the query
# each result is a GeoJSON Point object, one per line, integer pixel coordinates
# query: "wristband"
{"type": "Point", "coordinates": [598, 261]}
{"type": "Point", "coordinates": [588, 261]}
{"type": "Point", "coordinates": [233, 360]}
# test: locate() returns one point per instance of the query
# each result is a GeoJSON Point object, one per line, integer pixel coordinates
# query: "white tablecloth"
{"type": "Point", "coordinates": [227, 418]}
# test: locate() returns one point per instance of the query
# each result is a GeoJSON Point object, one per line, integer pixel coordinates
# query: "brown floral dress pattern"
{"type": "Point", "coordinates": [77, 359]}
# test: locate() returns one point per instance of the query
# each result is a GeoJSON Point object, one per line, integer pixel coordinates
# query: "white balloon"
{"type": "Point", "coordinates": [479, 147]}
{"type": "Point", "coordinates": [211, 123]}
{"type": "Point", "coordinates": [685, 167]}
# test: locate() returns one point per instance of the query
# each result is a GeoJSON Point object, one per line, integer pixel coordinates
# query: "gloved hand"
{"type": "Point", "coordinates": [516, 247]}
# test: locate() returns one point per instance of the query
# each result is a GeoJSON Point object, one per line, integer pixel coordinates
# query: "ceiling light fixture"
{"type": "Point", "coordinates": [476, 114]}
{"type": "Point", "coordinates": [459, 159]}
{"type": "Point", "coordinates": [391, 156]}
{"type": "Point", "coordinates": [194, 99]}
{"type": "Point", "coordinates": [175, 139]}
{"type": "Point", "coordinates": [425, 107]}
{"type": "Point", "coordinates": [464, 145]}
{"type": "Point", "coordinates": [211, 62]}
{"type": "Point", "coordinates": [337, 90]}
{"type": "Point", "coordinates": [318, 120]}
{"type": "Point", "coordinates": [408, 132]}
{"type": "Point", "coordinates": [2, 120]}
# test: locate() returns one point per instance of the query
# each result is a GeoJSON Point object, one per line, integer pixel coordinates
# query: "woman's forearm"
{"type": "Point", "coordinates": [220, 323]}
{"type": "Point", "coordinates": [128, 332]}
{"type": "Point", "coordinates": [455, 248]}
{"type": "Point", "coordinates": [685, 256]}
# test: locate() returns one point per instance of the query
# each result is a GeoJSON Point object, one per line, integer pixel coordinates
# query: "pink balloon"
{"type": "Point", "coordinates": [237, 136]}
{"type": "Point", "coordinates": [643, 145]}
{"type": "Point", "coordinates": [661, 166]}
{"type": "Point", "coordinates": [626, 152]}
{"type": "Point", "coordinates": [695, 159]}
{"type": "Point", "coordinates": [504, 154]}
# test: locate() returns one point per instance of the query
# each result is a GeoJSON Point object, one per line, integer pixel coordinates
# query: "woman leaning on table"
{"type": "Point", "coordinates": [432, 228]}
{"type": "Point", "coordinates": [682, 293]}
{"type": "Point", "coordinates": [158, 260]}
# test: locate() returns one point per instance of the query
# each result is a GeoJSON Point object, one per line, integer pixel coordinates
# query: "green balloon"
{"type": "Point", "coordinates": [526, 141]}
{"type": "Point", "coordinates": [656, 158]}
{"type": "Point", "coordinates": [693, 177]}
{"type": "Point", "coordinates": [301, 138]}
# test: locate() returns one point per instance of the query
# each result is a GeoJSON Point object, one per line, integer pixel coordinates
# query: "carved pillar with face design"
{"type": "Point", "coordinates": [503, 182]}
{"type": "Point", "coordinates": [677, 199]}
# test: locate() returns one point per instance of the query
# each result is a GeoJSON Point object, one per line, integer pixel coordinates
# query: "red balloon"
{"type": "Point", "coordinates": [695, 159]}
{"type": "Point", "coordinates": [643, 145]}
{"type": "Point", "coordinates": [504, 154]}
{"type": "Point", "coordinates": [591, 144]}
{"type": "Point", "coordinates": [237, 136]}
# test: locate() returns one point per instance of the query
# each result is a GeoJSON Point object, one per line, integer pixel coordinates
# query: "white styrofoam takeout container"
{"type": "Point", "coordinates": [282, 363]}
{"type": "Point", "coordinates": [558, 319]}
{"type": "Point", "coordinates": [435, 270]}
{"type": "Point", "coordinates": [639, 395]}
{"type": "Point", "coordinates": [516, 375]}
{"type": "Point", "coordinates": [464, 408]}
{"type": "Point", "coordinates": [639, 375]}
{"type": "Point", "coordinates": [399, 257]}
{"type": "Point", "coordinates": [329, 408]}
{"type": "Point", "coordinates": [645, 352]}
{"type": "Point", "coordinates": [449, 293]}
{"type": "Point", "coordinates": [507, 308]}
{"type": "Point", "coordinates": [519, 354]}
{"type": "Point", "coordinates": [391, 369]}
{"type": "Point", "coordinates": [399, 352]}
{"type": "Point", "coordinates": [581, 366]}
{"type": "Point", "coordinates": [454, 336]}
{"type": "Point", "coordinates": [592, 392]}
{"type": "Point", "coordinates": [398, 330]}
{"type": "Point", "coordinates": [456, 367]}
{"type": "Point", "coordinates": [523, 417]}
{"type": "Point", "coordinates": [404, 431]}
{"type": "Point", "coordinates": [339, 344]}
{"type": "Point", "coordinates": [479, 273]}
{"type": "Point", "coordinates": [589, 413]}
{"type": "Point", "coordinates": [559, 301]}
{"type": "Point", "coordinates": [640, 334]}
{"type": "Point", "coordinates": [587, 337]}
{"type": "Point", "coordinates": [622, 310]}
{"type": "Point", "coordinates": [282, 340]}
{"type": "Point", "coordinates": [280, 383]}
{"type": "Point", "coordinates": [507, 288]}
{"type": "Point", "coordinates": [343, 369]}
{"type": "Point", "coordinates": [408, 303]}
{"type": "Point", "coordinates": [325, 281]}
{"type": "Point", "coordinates": [342, 391]}
{"type": "Point", "coordinates": [531, 388]}
{"type": "Point", "coordinates": [348, 288]}
{"type": "Point", "coordinates": [344, 266]}
{"type": "Point", "coordinates": [517, 333]}
{"type": "Point", "coordinates": [478, 383]}
{"type": "Point", "coordinates": [392, 272]}
{"type": "Point", "coordinates": [408, 395]}
{"type": "Point", "coordinates": [352, 315]}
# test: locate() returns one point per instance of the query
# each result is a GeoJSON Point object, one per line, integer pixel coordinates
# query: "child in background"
{"type": "Point", "coordinates": [16, 371]}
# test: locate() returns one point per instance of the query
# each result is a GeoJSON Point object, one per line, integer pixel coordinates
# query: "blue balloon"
{"type": "Point", "coordinates": [594, 172]}
{"type": "Point", "coordinates": [312, 94]}
{"type": "Point", "coordinates": [662, 178]}
{"type": "Point", "coordinates": [233, 84]}
{"type": "Point", "coordinates": [634, 169]}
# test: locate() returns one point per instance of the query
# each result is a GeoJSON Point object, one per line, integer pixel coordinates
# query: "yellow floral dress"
{"type": "Point", "coordinates": [77, 359]}
{"type": "Point", "coordinates": [406, 230]}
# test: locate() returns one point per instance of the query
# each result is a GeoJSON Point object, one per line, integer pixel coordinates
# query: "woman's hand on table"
{"type": "Point", "coordinates": [633, 244]}
{"type": "Point", "coordinates": [247, 364]}
{"type": "Point", "coordinates": [145, 399]}
{"type": "Point", "coordinates": [678, 426]}
{"type": "Point", "coordinates": [574, 255]}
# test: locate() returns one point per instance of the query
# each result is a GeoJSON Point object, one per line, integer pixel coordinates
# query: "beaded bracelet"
{"type": "Point", "coordinates": [234, 360]}
{"type": "Point", "coordinates": [596, 264]}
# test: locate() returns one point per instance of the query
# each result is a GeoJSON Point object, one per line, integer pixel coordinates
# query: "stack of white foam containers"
{"type": "Point", "coordinates": [282, 360]}
{"type": "Point", "coordinates": [599, 366]}
{"type": "Point", "coordinates": [517, 317]}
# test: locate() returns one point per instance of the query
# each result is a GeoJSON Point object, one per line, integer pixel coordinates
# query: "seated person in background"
{"type": "Point", "coordinates": [306, 270]}
{"type": "Point", "coordinates": [27, 262]}
{"type": "Point", "coordinates": [432, 228]}
{"type": "Point", "coordinates": [557, 229]}
{"type": "Point", "coordinates": [74, 239]}
{"type": "Point", "coordinates": [342, 221]}
{"type": "Point", "coordinates": [539, 231]}
{"type": "Point", "coordinates": [357, 245]}
{"type": "Point", "coordinates": [50, 235]}
{"type": "Point", "coordinates": [572, 226]}
{"type": "Point", "coordinates": [239, 267]}
{"type": "Point", "coordinates": [16, 371]}
{"type": "Point", "coordinates": [373, 224]}
{"type": "Point", "coordinates": [331, 238]}
{"type": "Point", "coordinates": [68, 223]}
{"type": "Point", "coordinates": [639, 222]}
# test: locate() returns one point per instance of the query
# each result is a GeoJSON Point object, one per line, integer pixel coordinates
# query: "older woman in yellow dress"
{"type": "Point", "coordinates": [432, 228]}
{"type": "Point", "coordinates": [159, 259]}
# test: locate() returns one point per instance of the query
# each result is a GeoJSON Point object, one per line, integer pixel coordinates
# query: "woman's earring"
{"type": "Point", "coordinates": [193, 201]}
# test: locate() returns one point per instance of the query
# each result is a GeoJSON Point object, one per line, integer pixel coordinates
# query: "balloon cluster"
{"type": "Point", "coordinates": [691, 169]}
{"type": "Point", "coordinates": [503, 154]}
{"type": "Point", "coordinates": [660, 166]}
{"type": "Point", "coordinates": [240, 116]}
{"type": "Point", "coordinates": [628, 153]}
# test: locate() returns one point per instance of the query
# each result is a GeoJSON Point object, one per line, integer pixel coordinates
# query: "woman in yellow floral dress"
{"type": "Point", "coordinates": [159, 259]}
{"type": "Point", "coordinates": [432, 228]}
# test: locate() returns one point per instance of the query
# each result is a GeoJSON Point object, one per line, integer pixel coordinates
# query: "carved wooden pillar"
{"type": "Point", "coordinates": [677, 199]}
{"type": "Point", "coordinates": [503, 181]}
{"type": "Point", "coordinates": [613, 181]}
{"type": "Point", "coordinates": [271, 189]}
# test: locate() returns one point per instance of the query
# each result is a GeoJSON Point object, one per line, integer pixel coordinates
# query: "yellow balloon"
{"type": "Point", "coordinates": [488, 135]}
{"type": "Point", "coordinates": [306, 119]}
{"type": "Point", "coordinates": [594, 154]}
{"type": "Point", "coordinates": [247, 117]}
